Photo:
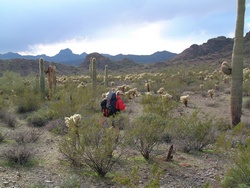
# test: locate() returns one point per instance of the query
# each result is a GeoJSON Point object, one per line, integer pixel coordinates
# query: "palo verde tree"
{"type": "Point", "coordinates": [237, 66]}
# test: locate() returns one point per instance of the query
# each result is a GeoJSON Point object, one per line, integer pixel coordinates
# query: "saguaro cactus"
{"type": "Point", "coordinates": [41, 78]}
{"type": "Point", "coordinates": [93, 64]}
{"type": "Point", "coordinates": [90, 67]}
{"type": "Point", "coordinates": [237, 66]}
{"type": "Point", "coordinates": [51, 73]}
{"type": "Point", "coordinates": [106, 76]}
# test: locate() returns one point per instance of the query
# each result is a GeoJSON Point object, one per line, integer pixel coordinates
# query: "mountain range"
{"type": "Point", "coordinates": [212, 52]}
{"type": "Point", "coordinates": [67, 57]}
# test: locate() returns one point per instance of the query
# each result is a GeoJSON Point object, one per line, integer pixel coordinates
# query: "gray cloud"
{"type": "Point", "coordinates": [28, 22]}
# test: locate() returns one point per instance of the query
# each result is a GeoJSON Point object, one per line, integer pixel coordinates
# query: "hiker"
{"type": "Point", "coordinates": [119, 102]}
{"type": "Point", "coordinates": [111, 105]}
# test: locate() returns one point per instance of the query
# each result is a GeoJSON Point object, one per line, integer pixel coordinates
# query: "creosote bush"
{"type": "Point", "coordinates": [24, 136]}
{"type": "Point", "coordinates": [246, 104]}
{"type": "Point", "coordinates": [193, 133]}
{"type": "Point", "coordinates": [89, 144]}
{"type": "Point", "coordinates": [238, 152]}
{"type": "Point", "coordinates": [18, 155]}
{"type": "Point", "coordinates": [38, 118]}
{"type": "Point", "coordinates": [146, 132]}
{"type": "Point", "coordinates": [27, 102]}
{"type": "Point", "coordinates": [2, 136]}
{"type": "Point", "coordinates": [9, 118]}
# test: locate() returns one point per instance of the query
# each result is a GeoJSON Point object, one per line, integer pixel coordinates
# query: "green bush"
{"type": "Point", "coordinates": [27, 102]}
{"type": "Point", "coordinates": [9, 118]}
{"type": "Point", "coordinates": [246, 104]}
{"type": "Point", "coordinates": [147, 131]}
{"type": "Point", "coordinates": [194, 132]}
{"type": "Point", "coordinates": [38, 118]}
{"type": "Point", "coordinates": [89, 144]}
{"type": "Point", "coordinates": [239, 174]}
{"type": "Point", "coordinates": [2, 136]}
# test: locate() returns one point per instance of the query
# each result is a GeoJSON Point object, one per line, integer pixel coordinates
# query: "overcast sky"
{"type": "Point", "coordinates": [140, 27]}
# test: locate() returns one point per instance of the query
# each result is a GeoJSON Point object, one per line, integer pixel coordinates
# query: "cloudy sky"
{"type": "Point", "coordinates": [139, 27]}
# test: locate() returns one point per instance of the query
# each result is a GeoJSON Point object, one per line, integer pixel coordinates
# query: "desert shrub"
{"type": "Point", "coordinates": [80, 100]}
{"type": "Point", "coordinates": [235, 147]}
{"type": "Point", "coordinates": [147, 131]}
{"type": "Point", "coordinates": [25, 136]}
{"type": "Point", "coordinates": [120, 121]}
{"type": "Point", "coordinates": [239, 174]}
{"type": "Point", "coordinates": [133, 179]}
{"type": "Point", "coordinates": [39, 118]}
{"type": "Point", "coordinates": [2, 136]}
{"type": "Point", "coordinates": [57, 126]}
{"type": "Point", "coordinates": [9, 118]}
{"type": "Point", "coordinates": [89, 144]}
{"type": "Point", "coordinates": [193, 133]}
{"type": "Point", "coordinates": [70, 182]}
{"type": "Point", "coordinates": [27, 102]}
{"type": "Point", "coordinates": [246, 104]}
{"type": "Point", "coordinates": [155, 104]}
{"type": "Point", "coordinates": [18, 155]}
{"type": "Point", "coordinates": [11, 83]}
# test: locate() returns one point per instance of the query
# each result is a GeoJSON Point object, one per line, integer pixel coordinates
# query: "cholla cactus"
{"type": "Point", "coordinates": [73, 121]}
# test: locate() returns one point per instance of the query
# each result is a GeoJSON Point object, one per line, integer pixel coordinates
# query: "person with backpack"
{"type": "Point", "coordinates": [112, 104]}
{"type": "Point", "coordinates": [119, 102]}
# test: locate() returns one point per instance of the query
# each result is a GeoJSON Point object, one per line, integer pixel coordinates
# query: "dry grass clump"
{"type": "Point", "coordinates": [9, 118]}
{"type": "Point", "coordinates": [18, 155]}
{"type": "Point", "coordinates": [2, 136]}
{"type": "Point", "coordinates": [246, 104]}
{"type": "Point", "coordinates": [57, 126]}
{"type": "Point", "coordinates": [24, 136]}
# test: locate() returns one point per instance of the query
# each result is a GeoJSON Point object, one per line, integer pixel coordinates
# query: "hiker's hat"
{"type": "Point", "coordinates": [119, 92]}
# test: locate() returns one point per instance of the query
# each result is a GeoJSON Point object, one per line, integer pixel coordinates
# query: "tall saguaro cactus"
{"type": "Point", "coordinates": [237, 66]}
{"type": "Point", "coordinates": [106, 76]}
{"type": "Point", "coordinates": [41, 78]}
{"type": "Point", "coordinates": [93, 64]}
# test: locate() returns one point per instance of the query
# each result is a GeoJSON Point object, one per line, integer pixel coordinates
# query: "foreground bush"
{"type": "Point", "coordinates": [239, 174]}
{"type": "Point", "coordinates": [89, 144]}
{"type": "Point", "coordinates": [193, 133]}
{"type": "Point", "coordinates": [18, 155]}
{"type": "Point", "coordinates": [235, 145]}
{"type": "Point", "coordinates": [147, 131]}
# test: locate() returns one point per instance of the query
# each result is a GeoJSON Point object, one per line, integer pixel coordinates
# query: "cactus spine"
{"type": "Point", "coordinates": [41, 78]}
{"type": "Point", "coordinates": [93, 64]}
{"type": "Point", "coordinates": [237, 66]}
{"type": "Point", "coordinates": [106, 76]}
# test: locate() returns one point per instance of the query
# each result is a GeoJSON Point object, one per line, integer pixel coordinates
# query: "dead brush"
{"type": "Point", "coordinates": [8, 118]}
{"type": "Point", "coordinates": [23, 136]}
{"type": "Point", "coordinates": [19, 155]}
{"type": "Point", "coordinates": [2, 136]}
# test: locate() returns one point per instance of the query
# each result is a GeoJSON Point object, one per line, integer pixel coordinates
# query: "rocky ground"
{"type": "Point", "coordinates": [184, 171]}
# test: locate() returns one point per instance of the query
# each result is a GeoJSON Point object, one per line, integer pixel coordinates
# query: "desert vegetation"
{"type": "Point", "coordinates": [55, 126]}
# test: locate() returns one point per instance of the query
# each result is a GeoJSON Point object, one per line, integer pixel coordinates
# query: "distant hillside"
{"type": "Point", "coordinates": [67, 57]}
{"type": "Point", "coordinates": [101, 61]}
{"type": "Point", "coordinates": [153, 58]}
{"type": "Point", "coordinates": [28, 66]}
{"type": "Point", "coordinates": [215, 50]}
